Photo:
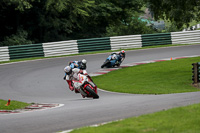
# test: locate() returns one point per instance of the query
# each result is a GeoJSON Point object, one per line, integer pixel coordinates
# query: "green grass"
{"type": "Point", "coordinates": [154, 78]}
{"type": "Point", "coordinates": [13, 105]}
{"type": "Point", "coordinates": [176, 120]}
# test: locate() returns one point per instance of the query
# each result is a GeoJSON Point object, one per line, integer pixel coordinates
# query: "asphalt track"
{"type": "Point", "coordinates": [41, 81]}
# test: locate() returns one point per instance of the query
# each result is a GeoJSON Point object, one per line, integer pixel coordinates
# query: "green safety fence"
{"type": "Point", "coordinates": [156, 39]}
{"type": "Point", "coordinates": [93, 44]}
{"type": "Point", "coordinates": [26, 51]}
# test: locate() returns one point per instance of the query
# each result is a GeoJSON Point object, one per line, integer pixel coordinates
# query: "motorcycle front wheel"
{"type": "Point", "coordinates": [91, 91]}
{"type": "Point", "coordinates": [105, 63]}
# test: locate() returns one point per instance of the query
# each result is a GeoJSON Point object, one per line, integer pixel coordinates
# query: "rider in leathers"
{"type": "Point", "coordinates": [120, 57]}
{"type": "Point", "coordinates": [79, 64]}
{"type": "Point", "coordinates": [72, 74]}
{"type": "Point", "coordinates": [68, 71]}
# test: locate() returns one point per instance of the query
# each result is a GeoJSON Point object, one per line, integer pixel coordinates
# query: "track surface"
{"type": "Point", "coordinates": [42, 81]}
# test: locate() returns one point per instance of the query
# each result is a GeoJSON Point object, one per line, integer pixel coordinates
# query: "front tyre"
{"type": "Point", "coordinates": [91, 91]}
{"type": "Point", "coordinates": [105, 63]}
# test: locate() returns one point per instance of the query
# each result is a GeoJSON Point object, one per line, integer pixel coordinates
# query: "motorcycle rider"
{"type": "Point", "coordinates": [69, 73]}
{"type": "Point", "coordinates": [68, 76]}
{"type": "Point", "coordinates": [78, 64]}
{"type": "Point", "coordinates": [120, 56]}
{"type": "Point", "coordinates": [73, 74]}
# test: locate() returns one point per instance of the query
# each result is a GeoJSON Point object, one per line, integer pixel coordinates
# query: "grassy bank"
{"type": "Point", "coordinates": [176, 120]}
{"type": "Point", "coordinates": [154, 78]}
{"type": "Point", "coordinates": [13, 105]}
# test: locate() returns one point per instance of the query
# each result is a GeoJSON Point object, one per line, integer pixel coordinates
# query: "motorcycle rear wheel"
{"type": "Point", "coordinates": [91, 91]}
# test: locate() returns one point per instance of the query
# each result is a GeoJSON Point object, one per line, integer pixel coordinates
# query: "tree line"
{"type": "Point", "coordinates": [38, 21]}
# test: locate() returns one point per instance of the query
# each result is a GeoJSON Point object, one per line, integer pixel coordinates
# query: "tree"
{"type": "Point", "coordinates": [179, 12]}
{"type": "Point", "coordinates": [136, 26]}
{"type": "Point", "coordinates": [108, 13]}
{"type": "Point", "coordinates": [58, 20]}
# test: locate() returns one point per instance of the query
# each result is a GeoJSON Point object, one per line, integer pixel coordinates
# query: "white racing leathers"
{"type": "Point", "coordinates": [78, 79]}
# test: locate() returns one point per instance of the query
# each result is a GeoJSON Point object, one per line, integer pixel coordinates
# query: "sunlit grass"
{"type": "Point", "coordinates": [154, 78]}
{"type": "Point", "coordinates": [13, 105]}
{"type": "Point", "coordinates": [177, 120]}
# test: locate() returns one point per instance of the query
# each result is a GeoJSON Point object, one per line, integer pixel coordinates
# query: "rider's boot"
{"type": "Point", "coordinates": [70, 85]}
{"type": "Point", "coordinates": [76, 91]}
{"type": "Point", "coordinates": [82, 95]}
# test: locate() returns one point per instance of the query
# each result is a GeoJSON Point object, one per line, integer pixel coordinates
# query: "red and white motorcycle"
{"type": "Point", "coordinates": [85, 85]}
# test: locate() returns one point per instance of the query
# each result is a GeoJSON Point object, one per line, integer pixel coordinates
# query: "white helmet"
{"type": "Point", "coordinates": [84, 61]}
{"type": "Point", "coordinates": [67, 69]}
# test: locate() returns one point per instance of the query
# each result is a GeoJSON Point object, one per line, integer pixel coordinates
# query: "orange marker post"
{"type": "Point", "coordinates": [8, 103]}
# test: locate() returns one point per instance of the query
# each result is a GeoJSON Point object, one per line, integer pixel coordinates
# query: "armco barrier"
{"type": "Point", "coordinates": [4, 54]}
{"type": "Point", "coordinates": [187, 37]}
{"type": "Point", "coordinates": [60, 48]}
{"type": "Point", "coordinates": [94, 44]}
{"type": "Point", "coordinates": [156, 39]}
{"type": "Point", "coordinates": [97, 44]}
{"type": "Point", "coordinates": [25, 51]}
{"type": "Point", "coordinates": [125, 42]}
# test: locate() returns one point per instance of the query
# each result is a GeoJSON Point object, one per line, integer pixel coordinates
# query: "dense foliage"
{"type": "Point", "coordinates": [37, 21]}
{"type": "Point", "coordinates": [179, 12]}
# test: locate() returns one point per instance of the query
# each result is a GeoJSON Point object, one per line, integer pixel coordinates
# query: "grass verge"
{"type": "Point", "coordinates": [154, 78]}
{"type": "Point", "coordinates": [177, 120]}
{"type": "Point", "coordinates": [13, 105]}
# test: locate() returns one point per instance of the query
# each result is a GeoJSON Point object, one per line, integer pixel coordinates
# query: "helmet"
{"type": "Point", "coordinates": [67, 69]}
{"type": "Point", "coordinates": [122, 53]}
{"type": "Point", "coordinates": [84, 61]}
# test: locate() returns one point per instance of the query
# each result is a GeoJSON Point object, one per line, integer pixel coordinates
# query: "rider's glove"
{"type": "Point", "coordinates": [81, 71]}
{"type": "Point", "coordinates": [64, 78]}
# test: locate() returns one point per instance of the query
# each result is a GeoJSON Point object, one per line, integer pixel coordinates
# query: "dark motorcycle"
{"type": "Point", "coordinates": [111, 61]}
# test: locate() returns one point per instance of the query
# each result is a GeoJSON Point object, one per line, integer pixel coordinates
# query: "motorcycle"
{"type": "Point", "coordinates": [84, 85]}
{"type": "Point", "coordinates": [111, 61]}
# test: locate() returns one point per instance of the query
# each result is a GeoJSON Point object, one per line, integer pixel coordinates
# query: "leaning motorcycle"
{"type": "Point", "coordinates": [111, 61]}
{"type": "Point", "coordinates": [85, 85]}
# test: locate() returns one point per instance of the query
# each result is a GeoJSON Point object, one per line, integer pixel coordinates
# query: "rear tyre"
{"type": "Point", "coordinates": [91, 91]}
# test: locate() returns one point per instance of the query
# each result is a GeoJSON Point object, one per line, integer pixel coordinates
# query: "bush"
{"type": "Point", "coordinates": [19, 38]}
{"type": "Point", "coordinates": [136, 26]}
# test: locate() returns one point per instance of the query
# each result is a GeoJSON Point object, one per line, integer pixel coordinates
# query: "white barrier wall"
{"type": "Point", "coordinates": [125, 42]}
{"type": "Point", "coordinates": [4, 54]}
{"type": "Point", "coordinates": [60, 48]}
{"type": "Point", "coordinates": [187, 37]}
